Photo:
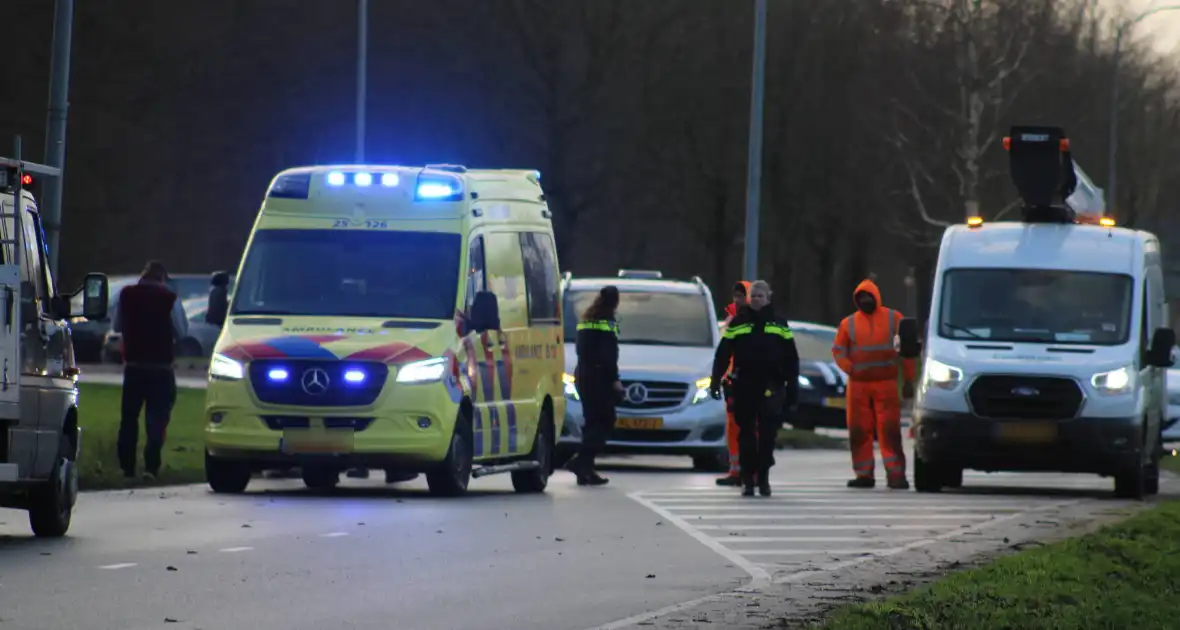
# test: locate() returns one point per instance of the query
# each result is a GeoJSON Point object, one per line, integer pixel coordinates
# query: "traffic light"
{"type": "Point", "coordinates": [8, 179]}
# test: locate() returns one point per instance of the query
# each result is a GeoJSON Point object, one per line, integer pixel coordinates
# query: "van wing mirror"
{"type": "Point", "coordinates": [485, 312]}
{"type": "Point", "coordinates": [907, 333]}
{"type": "Point", "coordinates": [95, 293]}
{"type": "Point", "coordinates": [1160, 353]}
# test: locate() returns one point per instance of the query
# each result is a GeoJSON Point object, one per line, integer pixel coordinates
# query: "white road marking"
{"type": "Point", "coordinates": [788, 515]}
{"type": "Point", "coordinates": [121, 565]}
{"type": "Point", "coordinates": [816, 528]}
{"type": "Point", "coordinates": [234, 549]}
{"type": "Point", "coordinates": [827, 539]}
{"type": "Point", "coordinates": [844, 508]}
{"type": "Point", "coordinates": [334, 535]}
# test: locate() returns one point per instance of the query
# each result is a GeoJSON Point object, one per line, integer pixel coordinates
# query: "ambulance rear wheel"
{"type": "Point", "coordinates": [535, 481]}
{"type": "Point", "coordinates": [451, 477]}
{"type": "Point", "coordinates": [926, 476]}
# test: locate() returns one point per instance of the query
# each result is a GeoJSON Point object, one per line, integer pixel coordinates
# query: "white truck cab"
{"type": "Point", "coordinates": [40, 435]}
{"type": "Point", "coordinates": [1047, 342]}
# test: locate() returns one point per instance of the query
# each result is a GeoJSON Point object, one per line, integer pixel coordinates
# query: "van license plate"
{"type": "Point", "coordinates": [836, 403]}
{"type": "Point", "coordinates": [325, 442]}
{"type": "Point", "coordinates": [640, 423]}
{"type": "Point", "coordinates": [1029, 432]}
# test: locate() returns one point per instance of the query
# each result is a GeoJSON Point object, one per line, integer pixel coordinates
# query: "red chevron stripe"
{"type": "Point", "coordinates": [490, 360]}
{"type": "Point", "coordinates": [251, 350]}
{"type": "Point", "coordinates": [393, 353]}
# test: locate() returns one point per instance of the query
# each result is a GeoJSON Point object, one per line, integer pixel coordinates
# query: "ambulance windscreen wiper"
{"type": "Point", "coordinates": [963, 329]}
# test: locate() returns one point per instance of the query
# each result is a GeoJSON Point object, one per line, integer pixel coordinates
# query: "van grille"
{"type": "Point", "coordinates": [1025, 397]}
{"type": "Point", "coordinates": [328, 386]}
{"type": "Point", "coordinates": [652, 395]}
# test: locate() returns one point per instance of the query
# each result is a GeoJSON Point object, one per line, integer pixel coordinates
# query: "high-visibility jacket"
{"type": "Point", "coordinates": [864, 346]}
{"type": "Point", "coordinates": [731, 312]}
{"type": "Point", "coordinates": [598, 352]}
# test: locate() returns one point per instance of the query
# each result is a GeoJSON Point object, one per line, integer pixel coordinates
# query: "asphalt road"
{"type": "Point", "coordinates": [659, 537]}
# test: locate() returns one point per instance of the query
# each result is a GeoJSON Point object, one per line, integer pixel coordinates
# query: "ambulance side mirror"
{"type": "Point", "coordinates": [907, 333]}
{"type": "Point", "coordinates": [485, 312]}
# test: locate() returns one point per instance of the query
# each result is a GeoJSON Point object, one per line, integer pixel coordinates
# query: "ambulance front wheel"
{"type": "Point", "coordinates": [226, 476]}
{"type": "Point", "coordinates": [536, 480]}
{"type": "Point", "coordinates": [451, 476]}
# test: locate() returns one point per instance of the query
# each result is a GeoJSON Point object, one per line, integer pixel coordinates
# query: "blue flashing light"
{"type": "Point", "coordinates": [335, 178]}
{"type": "Point", "coordinates": [431, 190]}
{"type": "Point", "coordinates": [293, 186]}
{"type": "Point", "coordinates": [390, 180]}
{"type": "Point", "coordinates": [354, 376]}
{"type": "Point", "coordinates": [278, 374]}
{"type": "Point", "coordinates": [363, 179]}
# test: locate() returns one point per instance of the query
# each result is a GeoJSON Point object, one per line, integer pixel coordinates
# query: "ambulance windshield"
{"type": "Point", "coordinates": [1036, 306]}
{"type": "Point", "coordinates": [650, 318]}
{"type": "Point", "coordinates": [350, 273]}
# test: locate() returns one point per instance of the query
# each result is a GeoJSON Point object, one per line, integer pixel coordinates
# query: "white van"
{"type": "Point", "coordinates": [1047, 342]}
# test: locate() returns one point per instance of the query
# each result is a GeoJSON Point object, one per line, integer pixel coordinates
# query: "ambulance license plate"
{"type": "Point", "coordinates": [1028, 432]}
{"type": "Point", "coordinates": [640, 423]}
{"type": "Point", "coordinates": [323, 442]}
{"type": "Point", "coordinates": [836, 403]}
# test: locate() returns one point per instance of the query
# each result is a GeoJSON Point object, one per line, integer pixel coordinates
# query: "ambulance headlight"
{"type": "Point", "coordinates": [702, 393]}
{"type": "Point", "coordinates": [571, 391]}
{"type": "Point", "coordinates": [940, 375]}
{"type": "Point", "coordinates": [428, 371]}
{"type": "Point", "coordinates": [1114, 382]}
{"type": "Point", "coordinates": [223, 368]}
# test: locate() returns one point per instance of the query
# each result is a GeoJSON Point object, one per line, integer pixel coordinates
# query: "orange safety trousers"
{"type": "Point", "coordinates": [874, 408]}
{"type": "Point", "coordinates": [731, 440]}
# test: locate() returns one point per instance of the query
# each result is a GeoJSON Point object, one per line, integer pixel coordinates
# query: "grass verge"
{"type": "Point", "coordinates": [1170, 462]}
{"type": "Point", "coordinates": [808, 440]}
{"type": "Point", "coordinates": [1122, 576]}
{"type": "Point", "coordinates": [99, 411]}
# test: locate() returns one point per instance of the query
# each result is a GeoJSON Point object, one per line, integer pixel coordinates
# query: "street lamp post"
{"type": "Point", "coordinates": [55, 136]}
{"type": "Point", "coordinates": [362, 76]}
{"type": "Point", "coordinates": [754, 160]}
{"type": "Point", "coordinates": [1112, 172]}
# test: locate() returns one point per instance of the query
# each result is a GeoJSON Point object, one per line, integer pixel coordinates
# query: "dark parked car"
{"type": "Point", "coordinates": [821, 382]}
{"type": "Point", "coordinates": [90, 336]}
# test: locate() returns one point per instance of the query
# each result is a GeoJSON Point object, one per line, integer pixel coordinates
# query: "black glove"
{"type": "Point", "coordinates": [715, 393]}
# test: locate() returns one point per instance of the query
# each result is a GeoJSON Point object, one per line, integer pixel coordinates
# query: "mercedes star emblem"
{"type": "Point", "coordinates": [637, 394]}
{"type": "Point", "coordinates": [315, 381]}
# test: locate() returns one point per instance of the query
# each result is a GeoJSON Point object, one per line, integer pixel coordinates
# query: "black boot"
{"type": "Point", "coordinates": [748, 485]}
{"type": "Point", "coordinates": [862, 482]}
{"type": "Point", "coordinates": [729, 480]}
{"type": "Point", "coordinates": [764, 483]}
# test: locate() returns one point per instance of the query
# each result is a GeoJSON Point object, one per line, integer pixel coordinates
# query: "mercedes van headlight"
{"type": "Point", "coordinates": [428, 371]}
{"type": "Point", "coordinates": [1114, 382]}
{"type": "Point", "coordinates": [702, 392]}
{"type": "Point", "coordinates": [940, 375]}
{"type": "Point", "coordinates": [223, 368]}
{"type": "Point", "coordinates": [571, 391]}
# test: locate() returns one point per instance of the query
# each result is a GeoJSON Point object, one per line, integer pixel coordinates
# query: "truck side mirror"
{"type": "Point", "coordinates": [485, 312]}
{"type": "Point", "coordinates": [95, 293]}
{"type": "Point", "coordinates": [907, 332]}
{"type": "Point", "coordinates": [1160, 353]}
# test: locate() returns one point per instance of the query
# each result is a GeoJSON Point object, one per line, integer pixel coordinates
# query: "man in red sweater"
{"type": "Point", "coordinates": [151, 319]}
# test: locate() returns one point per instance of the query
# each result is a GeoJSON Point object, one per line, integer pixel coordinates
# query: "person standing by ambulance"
{"type": "Point", "coordinates": [866, 351]}
{"type": "Point", "coordinates": [597, 380]}
{"type": "Point", "coordinates": [740, 292]}
{"type": "Point", "coordinates": [760, 347]}
{"type": "Point", "coordinates": [151, 319]}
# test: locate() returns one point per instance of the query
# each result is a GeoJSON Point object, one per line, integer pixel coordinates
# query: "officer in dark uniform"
{"type": "Point", "coordinates": [597, 381]}
{"type": "Point", "coordinates": [764, 381]}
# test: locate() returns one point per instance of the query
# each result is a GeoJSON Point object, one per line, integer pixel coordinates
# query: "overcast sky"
{"type": "Point", "coordinates": [1162, 28]}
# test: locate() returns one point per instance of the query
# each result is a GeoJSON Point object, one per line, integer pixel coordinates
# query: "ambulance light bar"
{"type": "Point", "coordinates": [435, 187]}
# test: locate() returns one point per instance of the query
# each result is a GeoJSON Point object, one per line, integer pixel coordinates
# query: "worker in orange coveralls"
{"type": "Point", "coordinates": [741, 292]}
{"type": "Point", "coordinates": [865, 350]}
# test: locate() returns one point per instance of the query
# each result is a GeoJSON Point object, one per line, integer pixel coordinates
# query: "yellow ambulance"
{"type": "Point", "coordinates": [405, 319]}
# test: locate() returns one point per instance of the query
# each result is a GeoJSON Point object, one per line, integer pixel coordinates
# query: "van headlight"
{"type": "Point", "coordinates": [223, 368]}
{"type": "Point", "coordinates": [1114, 382]}
{"type": "Point", "coordinates": [702, 392]}
{"type": "Point", "coordinates": [940, 375]}
{"type": "Point", "coordinates": [427, 371]}
{"type": "Point", "coordinates": [571, 391]}
{"type": "Point", "coordinates": [805, 382]}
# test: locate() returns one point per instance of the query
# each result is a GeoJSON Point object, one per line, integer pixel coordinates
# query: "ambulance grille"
{"type": "Point", "coordinates": [1020, 397]}
{"type": "Point", "coordinates": [651, 395]}
{"type": "Point", "coordinates": [316, 383]}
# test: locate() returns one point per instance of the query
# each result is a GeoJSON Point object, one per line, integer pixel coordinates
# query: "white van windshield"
{"type": "Point", "coordinates": [1036, 305]}
{"type": "Point", "coordinates": [650, 318]}
{"type": "Point", "coordinates": [350, 273]}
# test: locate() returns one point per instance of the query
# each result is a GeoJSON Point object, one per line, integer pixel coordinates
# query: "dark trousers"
{"type": "Point", "coordinates": [598, 414]}
{"type": "Point", "coordinates": [153, 390]}
{"type": "Point", "coordinates": [759, 417]}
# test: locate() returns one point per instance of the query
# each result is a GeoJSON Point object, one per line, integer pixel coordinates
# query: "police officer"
{"type": "Point", "coordinates": [765, 380]}
{"type": "Point", "coordinates": [597, 381]}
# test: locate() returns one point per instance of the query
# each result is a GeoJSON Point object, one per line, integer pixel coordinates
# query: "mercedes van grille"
{"type": "Point", "coordinates": [652, 395]}
{"type": "Point", "coordinates": [316, 383]}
